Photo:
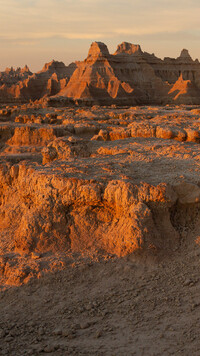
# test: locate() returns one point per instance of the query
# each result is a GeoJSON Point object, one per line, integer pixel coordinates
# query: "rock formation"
{"type": "Point", "coordinates": [23, 85]}
{"type": "Point", "coordinates": [11, 76]}
{"type": "Point", "coordinates": [131, 76]}
{"type": "Point", "coordinates": [127, 77]}
{"type": "Point", "coordinates": [99, 180]}
{"type": "Point", "coordinates": [93, 184]}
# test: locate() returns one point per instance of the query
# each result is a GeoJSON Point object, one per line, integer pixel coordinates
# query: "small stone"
{"type": "Point", "coordinates": [194, 306]}
{"type": "Point", "coordinates": [98, 334]}
{"type": "Point", "coordinates": [104, 313]}
{"type": "Point", "coordinates": [49, 348]}
{"type": "Point", "coordinates": [84, 325]}
{"type": "Point", "coordinates": [187, 282]}
{"type": "Point", "coordinates": [57, 332]}
{"type": "Point", "coordinates": [88, 307]}
{"type": "Point", "coordinates": [71, 336]}
{"type": "Point", "coordinates": [66, 332]}
{"type": "Point", "coordinates": [38, 348]}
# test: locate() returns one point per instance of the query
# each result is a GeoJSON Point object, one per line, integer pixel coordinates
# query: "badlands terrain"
{"type": "Point", "coordinates": [100, 206]}
{"type": "Point", "coordinates": [130, 76]}
{"type": "Point", "coordinates": [99, 229]}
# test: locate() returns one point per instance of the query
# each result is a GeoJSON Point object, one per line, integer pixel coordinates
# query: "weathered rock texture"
{"type": "Point", "coordinates": [131, 76]}
{"type": "Point", "coordinates": [51, 212]}
{"type": "Point", "coordinates": [109, 181]}
{"type": "Point", "coordinates": [22, 85]}
{"type": "Point", "coordinates": [127, 77]}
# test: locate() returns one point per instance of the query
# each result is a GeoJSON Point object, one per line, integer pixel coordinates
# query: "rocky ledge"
{"type": "Point", "coordinates": [104, 181]}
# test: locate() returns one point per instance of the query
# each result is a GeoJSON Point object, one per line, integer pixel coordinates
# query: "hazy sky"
{"type": "Point", "coordinates": [36, 31]}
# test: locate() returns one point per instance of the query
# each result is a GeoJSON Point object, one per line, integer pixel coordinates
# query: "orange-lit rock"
{"type": "Point", "coordinates": [22, 85]}
{"type": "Point", "coordinates": [130, 76]}
{"type": "Point", "coordinates": [94, 181]}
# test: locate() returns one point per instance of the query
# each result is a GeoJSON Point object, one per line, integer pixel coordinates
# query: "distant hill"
{"type": "Point", "coordinates": [127, 77]}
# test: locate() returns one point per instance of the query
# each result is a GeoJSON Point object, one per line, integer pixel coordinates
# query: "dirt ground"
{"type": "Point", "coordinates": [143, 304]}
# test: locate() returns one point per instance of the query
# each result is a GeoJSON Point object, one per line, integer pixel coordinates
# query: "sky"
{"type": "Point", "coordinates": [34, 32]}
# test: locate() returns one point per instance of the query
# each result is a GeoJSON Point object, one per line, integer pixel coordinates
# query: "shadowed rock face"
{"type": "Point", "coordinates": [11, 76]}
{"type": "Point", "coordinates": [127, 77]}
{"type": "Point", "coordinates": [128, 48]}
{"type": "Point", "coordinates": [131, 76]}
{"type": "Point", "coordinates": [185, 55]}
{"type": "Point", "coordinates": [22, 85]}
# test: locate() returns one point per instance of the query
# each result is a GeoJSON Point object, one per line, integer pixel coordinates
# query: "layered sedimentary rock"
{"type": "Point", "coordinates": [24, 85]}
{"type": "Point", "coordinates": [132, 76]}
{"type": "Point", "coordinates": [104, 78]}
{"type": "Point", "coordinates": [127, 77]}
{"type": "Point", "coordinates": [95, 181]}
